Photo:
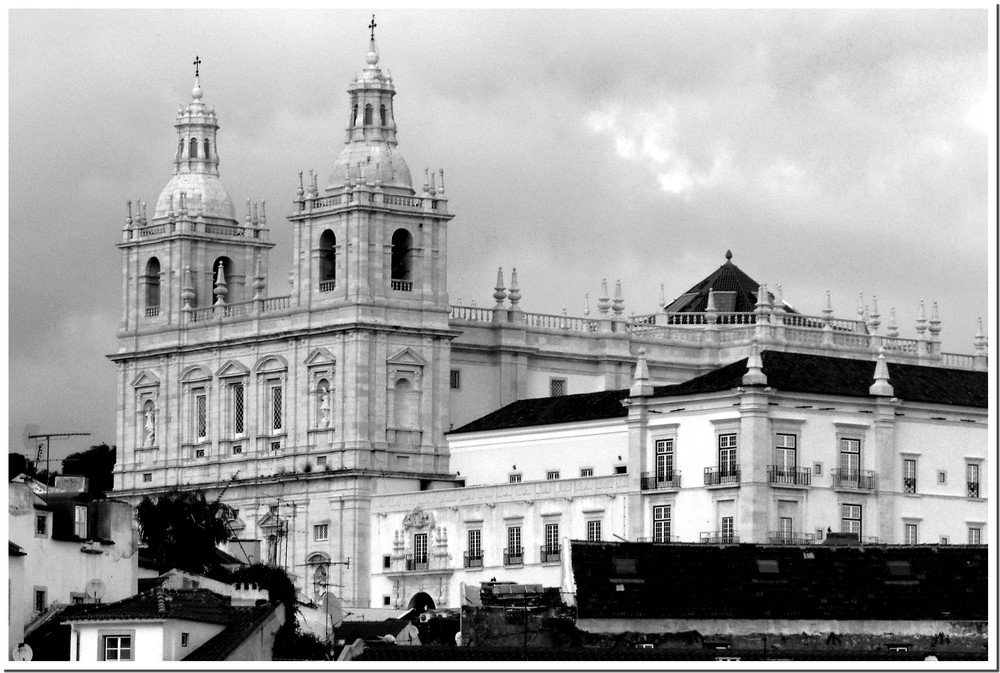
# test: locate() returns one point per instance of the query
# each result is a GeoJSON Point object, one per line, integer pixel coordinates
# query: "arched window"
{"type": "Point", "coordinates": [368, 115]}
{"type": "Point", "coordinates": [152, 286]}
{"type": "Point", "coordinates": [327, 261]}
{"type": "Point", "coordinates": [354, 116]}
{"type": "Point", "coordinates": [193, 153]}
{"type": "Point", "coordinates": [381, 113]}
{"type": "Point", "coordinates": [402, 255]}
{"type": "Point", "coordinates": [180, 149]}
{"type": "Point", "coordinates": [206, 148]}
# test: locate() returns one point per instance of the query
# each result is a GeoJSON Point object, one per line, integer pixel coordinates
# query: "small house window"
{"type": "Point", "coordinates": [40, 600]}
{"type": "Point", "coordinates": [185, 636]}
{"type": "Point", "coordinates": [80, 521]}
{"type": "Point", "coordinates": [621, 469]}
{"type": "Point", "coordinates": [515, 478]}
{"type": "Point", "coordinates": [557, 387]}
{"type": "Point", "coordinates": [455, 379]}
{"type": "Point", "coordinates": [41, 524]}
{"type": "Point", "coordinates": [321, 532]}
{"type": "Point", "coordinates": [147, 477]}
{"type": "Point", "coordinates": [587, 472]}
{"type": "Point", "coordinates": [552, 475]}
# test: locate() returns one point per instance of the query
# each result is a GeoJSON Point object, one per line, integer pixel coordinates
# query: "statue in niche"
{"type": "Point", "coordinates": [149, 438]}
{"type": "Point", "coordinates": [324, 407]}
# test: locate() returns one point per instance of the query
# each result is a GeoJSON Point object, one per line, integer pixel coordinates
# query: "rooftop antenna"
{"type": "Point", "coordinates": [48, 437]}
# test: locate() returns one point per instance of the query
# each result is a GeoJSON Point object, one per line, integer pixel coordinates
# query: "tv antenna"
{"type": "Point", "coordinates": [47, 436]}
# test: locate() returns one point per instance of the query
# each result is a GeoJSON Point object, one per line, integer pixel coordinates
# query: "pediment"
{"type": "Point", "coordinates": [320, 356]}
{"type": "Point", "coordinates": [271, 363]}
{"type": "Point", "coordinates": [196, 373]}
{"type": "Point", "coordinates": [145, 379]}
{"type": "Point", "coordinates": [232, 368]}
{"type": "Point", "coordinates": [407, 356]}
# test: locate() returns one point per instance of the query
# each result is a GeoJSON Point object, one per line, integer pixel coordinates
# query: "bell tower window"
{"type": "Point", "coordinates": [206, 148]}
{"type": "Point", "coordinates": [193, 153]}
{"type": "Point", "coordinates": [381, 113]}
{"type": "Point", "coordinates": [327, 261]}
{"type": "Point", "coordinates": [368, 115]}
{"type": "Point", "coordinates": [227, 275]}
{"type": "Point", "coordinates": [354, 116]}
{"type": "Point", "coordinates": [180, 149]}
{"type": "Point", "coordinates": [402, 260]}
{"type": "Point", "coordinates": [153, 287]}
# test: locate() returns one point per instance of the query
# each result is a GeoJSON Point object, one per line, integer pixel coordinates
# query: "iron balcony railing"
{"type": "Point", "coordinates": [548, 553]}
{"type": "Point", "coordinates": [793, 476]}
{"type": "Point", "coordinates": [973, 489]}
{"type": "Point", "coordinates": [513, 557]}
{"type": "Point", "coordinates": [651, 481]}
{"type": "Point", "coordinates": [782, 537]}
{"type": "Point", "coordinates": [720, 537]}
{"type": "Point", "coordinates": [862, 480]}
{"type": "Point", "coordinates": [416, 562]}
{"type": "Point", "coordinates": [721, 476]}
{"type": "Point", "coordinates": [473, 559]}
{"type": "Point", "coordinates": [909, 484]}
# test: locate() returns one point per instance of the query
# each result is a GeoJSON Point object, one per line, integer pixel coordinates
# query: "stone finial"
{"type": "Point", "coordinates": [300, 192]}
{"type": "Point", "coordinates": [143, 212]}
{"type": "Point", "coordinates": [663, 298]}
{"type": "Point", "coordinates": [861, 306]}
{"type": "Point", "coordinates": [441, 186]}
{"type": "Point", "coordinates": [763, 301]}
{"type": "Point", "coordinates": [874, 314]}
{"type": "Point", "coordinates": [779, 300]}
{"type": "Point", "coordinates": [921, 321]}
{"type": "Point", "coordinates": [263, 213]}
{"type": "Point", "coordinates": [249, 215]}
{"type": "Point", "coordinates": [434, 188]}
{"type": "Point", "coordinates": [128, 218]}
{"type": "Point", "coordinates": [220, 286]}
{"type": "Point", "coordinates": [586, 303]}
{"type": "Point", "coordinates": [182, 206]}
{"type": "Point", "coordinates": [256, 218]}
{"type": "Point", "coordinates": [604, 301]}
{"type": "Point", "coordinates": [755, 367]}
{"type": "Point", "coordinates": [890, 327]}
{"type": "Point", "coordinates": [514, 295]}
{"type": "Point", "coordinates": [258, 279]}
{"type": "Point", "coordinates": [427, 183]}
{"type": "Point", "coordinates": [935, 328]}
{"type": "Point", "coordinates": [828, 308]}
{"type": "Point", "coordinates": [187, 291]}
{"type": "Point", "coordinates": [618, 303]}
{"type": "Point", "coordinates": [710, 305]}
{"type": "Point", "coordinates": [979, 341]}
{"type": "Point", "coordinates": [881, 387]}
{"type": "Point", "coordinates": [499, 291]}
{"type": "Point", "coordinates": [640, 381]}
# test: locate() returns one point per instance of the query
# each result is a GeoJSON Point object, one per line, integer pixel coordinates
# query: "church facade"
{"type": "Point", "coordinates": [302, 410]}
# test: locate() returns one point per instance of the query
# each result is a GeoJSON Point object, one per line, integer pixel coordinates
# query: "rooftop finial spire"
{"type": "Point", "coordinates": [373, 26]}
{"type": "Point", "coordinates": [197, 63]}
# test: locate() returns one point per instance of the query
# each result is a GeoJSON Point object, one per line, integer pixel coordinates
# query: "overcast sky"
{"type": "Point", "coordinates": [840, 150]}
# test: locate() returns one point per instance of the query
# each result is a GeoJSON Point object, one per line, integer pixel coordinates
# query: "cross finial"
{"type": "Point", "coordinates": [373, 25]}
{"type": "Point", "coordinates": [197, 62]}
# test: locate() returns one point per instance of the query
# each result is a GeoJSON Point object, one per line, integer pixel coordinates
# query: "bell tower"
{"type": "Point", "coordinates": [171, 262]}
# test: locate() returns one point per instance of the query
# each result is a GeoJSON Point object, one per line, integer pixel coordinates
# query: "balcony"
{"type": "Point", "coordinates": [909, 484]}
{"type": "Point", "coordinates": [782, 537]}
{"type": "Point", "coordinates": [658, 482]}
{"type": "Point", "coordinates": [513, 557]}
{"type": "Point", "coordinates": [416, 561]}
{"type": "Point", "coordinates": [857, 480]}
{"type": "Point", "coordinates": [473, 559]}
{"type": "Point", "coordinates": [327, 285]}
{"type": "Point", "coordinates": [722, 476]}
{"type": "Point", "coordinates": [549, 553]}
{"type": "Point", "coordinates": [789, 476]}
{"type": "Point", "coordinates": [720, 537]}
{"type": "Point", "coordinates": [973, 489]}
{"type": "Point", "coordinates": [152, 311]}
{"type": "Point", "coordinates": [401, 285]}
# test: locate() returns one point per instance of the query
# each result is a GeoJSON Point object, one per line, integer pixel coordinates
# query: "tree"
{"type": "Point", "coordinates": [97, 464]}
{"type": "Point", "coordinates": [18, 463]}
{"type": "Point", "coordinates": [181, 529]}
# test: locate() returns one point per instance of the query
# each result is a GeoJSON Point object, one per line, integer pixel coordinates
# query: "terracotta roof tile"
{"type": "Point", "coordinates": [245, 621]}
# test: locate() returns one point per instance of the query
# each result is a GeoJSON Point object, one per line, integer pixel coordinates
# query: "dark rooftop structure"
{"type": "Point", "coordinates": [734, 291]}
{"type": "Point", "coordinates": [370, 631]}
{"type": "Point", "coordinates": [811, 582]}
{"type": "Point", "coordinates": [244, 622]}
{"type": "Point", "coordinates": [787, 372]}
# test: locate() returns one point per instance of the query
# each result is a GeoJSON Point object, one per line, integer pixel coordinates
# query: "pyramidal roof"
{"type": "Point", "coordinates": [734, 290]}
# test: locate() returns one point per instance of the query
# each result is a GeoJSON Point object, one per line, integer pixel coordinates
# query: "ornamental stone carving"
{"type": "Point", "coordinates": [418, 518]}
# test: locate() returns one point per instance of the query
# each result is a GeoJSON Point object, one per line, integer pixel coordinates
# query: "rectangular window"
{"type": "Point", "coordinates": [850, 458]}
{"type": "Point", "coordinates": [557, 387]}
{"type": "Point", "coordinates": [237, 449]}
{"type": "Point", "coordinates": [80, 521]}
{"type": "Point", "coordinates": [818, 469]}
{"type": "Point", "coordinates": [420, 549]}
{"type": "Point", "coordinates": [909, 476]}
{"type": "Point", "coordinates": [514, 540]}
{"type": "Point", "coordinates": [184, 639]}
{"type": "Point", "coordinates": [321, 461]}
{"type": "Point", "coordinates": [515, 479]}
{"type": "Point", "coordinates": [972, 477]}
{"type": "Point", "coordinates": [819, 535]}
{"type": "Point", "coordinates": [41, 524]}
{"type": "Point", "coordinates": [238, 409]}
{"type": "Point", "coordinates": [117, 648]}
{"type": "Point", "coordinates": [593, 531]}
{"type": "Point", "coordinates": [475, 544]}
{"type": "Point", "coordinates": [385, 601]}
{"type": "Point", "coordinates": [910, 533]}
{"type": "Point", "coordinates": [321, 532]}
{"type": "Point", "coordinates": [661, 523]}
{"type": "Point", "coordinates": [587, 472]}
{"type": "Point", "coordinates": [727, 455]}
{"type": "Point", "coordinates": [40, 601]}
{"type": "Point", "coordinates": [850, 519]}
{"type": "Point", "coordinates": [386, 562]}
{"type": "Point", "coordinates": [455, 379]}
{"type": "Point", "coordinates": [942, 477]}
{"type": "Point", "coordinates": [147, 477]}
{"type": "Point", "coordinates": [975, 536]}
{"type": "Point", "coordinates": [201, 416]}
{"type": "Point", "coordinates": [785, 528]}
{"type": "Point", "coordinates": [944, 540]}
{"type": "Point", "coordinates": [552, 475]}
{"type": "Point", "coordinates": [552, 538]}
{"type": "Point", "coordinates": [785, 450]}
{"type": "Point", "coordinates": [664, 459]}
{"type": "Point", "coordinates": [728, 530]}
{"type": "Point", "coordinates": [621, 469]}
{"type": "Point", "coordinates": [275, 408]}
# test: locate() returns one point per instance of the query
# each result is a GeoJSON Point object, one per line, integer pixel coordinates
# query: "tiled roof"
{"type": "Point", "coordinates": [820, 374]}
{"type": "Point", "coordinates": [245, 621]}
{"type": "Point", "coordinates": [351, 631]}
{"type": "Point", "coordinates": [734, 291]}
{"type": "Point", "coordinates": [549, 410]}
{"type": "Point", "coordinates": [703, 581]}
{"type": "Point", "coordinates": [197, 605]}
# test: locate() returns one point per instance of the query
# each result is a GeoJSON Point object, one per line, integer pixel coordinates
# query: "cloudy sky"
{"type": "Point", "coordinates": [840, 150]}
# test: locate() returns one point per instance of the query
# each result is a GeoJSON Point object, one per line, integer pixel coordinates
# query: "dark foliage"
{"type": "Point", "coordinates": [181, 529]}
{"type": "Point", "coordinates": [97, 464]}
{"type": "Point", "coordinates": [18, 463]}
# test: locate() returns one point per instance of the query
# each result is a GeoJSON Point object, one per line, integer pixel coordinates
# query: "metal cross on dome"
{"type": "Point", "coordinates": [197, 62]}
{"type": "Point", "coordinates": [373, 25]}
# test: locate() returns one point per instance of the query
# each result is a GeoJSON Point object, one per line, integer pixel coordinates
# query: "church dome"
{"type": "Point", "coordinates": [376, 160]}
{"type": "Point", "coordinates": [206, 190]}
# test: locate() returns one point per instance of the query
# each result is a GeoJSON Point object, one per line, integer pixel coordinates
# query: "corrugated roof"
{"type": "Point", "coordinates": [245, 621]}
{"type": "Point", "coordinates": [705, 581]}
